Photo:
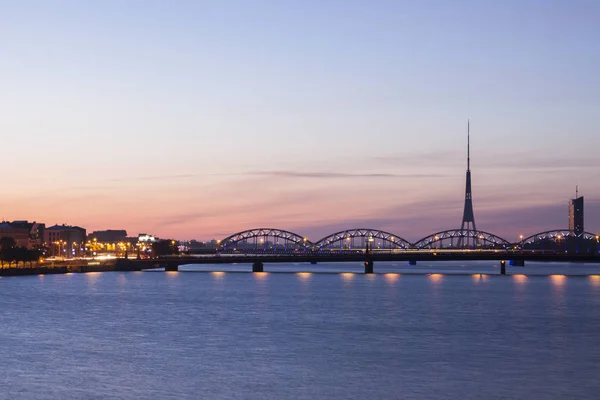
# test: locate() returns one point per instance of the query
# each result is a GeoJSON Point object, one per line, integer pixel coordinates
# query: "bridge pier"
{"type": "Point", "coordinates": [369, 267]}
{"type": "Point", "coordinates": [502, 267]}
{"type": "Point", "coordinates": [171, 268]}
{"type": "Point", "coordinates": [257, 267]}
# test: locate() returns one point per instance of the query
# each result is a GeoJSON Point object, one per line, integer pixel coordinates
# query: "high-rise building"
{"type": "Point", "coordinates": [576, 214]}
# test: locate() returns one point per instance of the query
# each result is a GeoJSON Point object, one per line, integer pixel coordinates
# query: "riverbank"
{"type": "Point", "coordinates": [62, 268]}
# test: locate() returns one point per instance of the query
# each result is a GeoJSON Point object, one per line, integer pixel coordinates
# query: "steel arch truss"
{"type": "Point", "coordinates": [265, 239]}
{"type": "Point", "coordinates": [556, 236]}
{"type": "Point", "coordinates": [357, 238]}
{"type": "Point", "coordinates": [469, 238]}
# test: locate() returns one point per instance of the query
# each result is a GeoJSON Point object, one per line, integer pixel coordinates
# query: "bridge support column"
{"type": "Point", "coordinates": [257, 267]}
{"type": "Point", "coordinates": [412, 262]}
{"type": "Point", "coordinates": [369, 267]}
{"type": "Point", "coordinates": [171, 268]}
{"type": "Point", "coordinates": [502, 267]}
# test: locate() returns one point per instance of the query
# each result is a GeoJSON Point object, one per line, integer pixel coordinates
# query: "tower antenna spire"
{"type": "Point", "coordinates": [468, 144]}
{"type": "Point", "coordinates": [576, 191]}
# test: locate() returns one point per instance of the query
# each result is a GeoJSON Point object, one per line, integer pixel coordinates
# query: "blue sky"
{"type": "Point", "coordinates": [197, 119]}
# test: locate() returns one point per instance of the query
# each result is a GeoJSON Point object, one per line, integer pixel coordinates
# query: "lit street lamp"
{"type": "Point", "coordinates": [521, 240]}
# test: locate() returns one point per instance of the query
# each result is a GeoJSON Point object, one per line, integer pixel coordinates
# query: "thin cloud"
{"type": "Point", "coordinates": [183, 219]}
{"type": "Point", "coordinates": [520, 160]}
{"type": "Point", "coordinates": [157, 177]}
{"type": "Point", "coordinates": [334, 175]}
{"type": "Point", "coordinates": [284, 174]}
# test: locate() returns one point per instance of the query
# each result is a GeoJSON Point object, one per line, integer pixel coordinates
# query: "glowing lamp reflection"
{"type": "Point", "coordinates": [347, 276]}
{"type": "Point", "coordinates": [304, 275]}
{"type": "Point", "coordinates": [436, 278]}
{"type": "Point", "coordinates": [595, 280]}
{"type": "Point", "coordinates": [260, 275]}
{"type": "Point", "coordinates": [391, 277]}
{"type": "Point", "coordinates": [558, 280]}
{"type": "Point", "coordinates": [520, 278]}
{"type": "Point", "coordinates": [217, 274]}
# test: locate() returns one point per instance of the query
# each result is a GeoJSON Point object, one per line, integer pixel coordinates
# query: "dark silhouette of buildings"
{"type": "Point", "coordinates": [468, 220]}
{"type": "Point", "coordinates": [110, 236]}
{"type": "Point", "coordinates": [26, 234]}
{"type": "Point", "coordinates": [576, 214]}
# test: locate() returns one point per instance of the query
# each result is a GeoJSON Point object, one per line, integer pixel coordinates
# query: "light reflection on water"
{"type": "Point", "coordinates": [479, 278]}
{"type": "Point", "coordinates": [260, 275]}
{"type": "Point", "coordinates": [347, 275]}
{"type": "Point", "coordinates": [175, 335]}
{"type": "Point", "coordinates": [519, 278]}
{"type": "Point", "coordinates": [304, 275]}
{"type": "Point", "coordinates": [558, 280]}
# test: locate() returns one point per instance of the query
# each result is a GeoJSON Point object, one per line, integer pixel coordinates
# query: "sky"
{"type": "Point", "coordinates": [199, 119]}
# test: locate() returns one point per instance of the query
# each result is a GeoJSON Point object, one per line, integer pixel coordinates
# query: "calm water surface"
{"type": "Point", "coordinates": [226, 335]}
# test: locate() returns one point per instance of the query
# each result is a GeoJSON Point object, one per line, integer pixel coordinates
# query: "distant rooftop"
{"type": "Point", "coordinates": [63, 227]}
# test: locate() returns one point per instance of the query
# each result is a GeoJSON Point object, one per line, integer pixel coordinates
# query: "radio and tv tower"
{"type": "Point", "coordinates": [468, 220]}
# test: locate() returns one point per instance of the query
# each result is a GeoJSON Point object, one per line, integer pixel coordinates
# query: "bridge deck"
{"type": "Point", "coordinates": [358, 257]}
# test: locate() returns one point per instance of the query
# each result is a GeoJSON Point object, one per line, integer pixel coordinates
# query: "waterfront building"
{"type": "Point", "coordinates": [145, 238]}
{"type": "Point", "coordinates": [26, 234]}
{"type": "Point", "coordinates": [65, 240]}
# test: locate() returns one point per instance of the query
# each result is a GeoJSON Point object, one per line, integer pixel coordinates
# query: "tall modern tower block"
{"type": "Point", "coordinates": [576, 214]}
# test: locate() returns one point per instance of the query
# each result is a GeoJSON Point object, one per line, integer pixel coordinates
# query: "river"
{"type": "Point", "coordinates": [459, 332]}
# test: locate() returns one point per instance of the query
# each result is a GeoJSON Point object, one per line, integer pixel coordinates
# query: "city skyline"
{"type": "Point", "coordinates": [196, 122]}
